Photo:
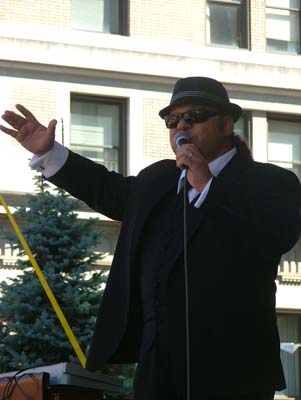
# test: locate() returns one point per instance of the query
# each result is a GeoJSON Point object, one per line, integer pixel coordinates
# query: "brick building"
{"type": "Point", "coordinates": [103, 69]}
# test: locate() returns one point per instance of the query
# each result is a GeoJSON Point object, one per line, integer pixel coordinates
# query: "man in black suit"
{"type": "Point", "coordinates": [241, 217]}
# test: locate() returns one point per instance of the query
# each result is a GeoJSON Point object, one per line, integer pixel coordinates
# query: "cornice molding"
{"type": "Point", "coordinates": [289, 278]}
{"type": "Point", "coordinates": [161, 83]}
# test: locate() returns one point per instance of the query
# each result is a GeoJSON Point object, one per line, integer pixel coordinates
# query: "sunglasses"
{"type": "Point", "coordinates": [190, 117]}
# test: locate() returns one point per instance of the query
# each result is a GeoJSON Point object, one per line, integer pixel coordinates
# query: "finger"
{"type": "Point", "coordinates": [187, 149]}
{"type": "Point", "coordinates": [52, 124]}
{"type": "Point", "coordinates": [9, 131]}
{"type": "Point", "coordinates": [25, 112]}
{"type": "Point", "coordinates": [186, 154]}
{"type": "Point", "coordinates": [183, 161]}
{"type": "Point", "coordinates": [13, 119]}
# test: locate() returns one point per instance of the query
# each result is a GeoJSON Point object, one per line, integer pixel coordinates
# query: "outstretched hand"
{"type": "Point", "coordinates": [28, 131]}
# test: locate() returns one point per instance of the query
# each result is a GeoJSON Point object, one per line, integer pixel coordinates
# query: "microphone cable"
{"type": "Point", "coordinates": [185, 204]}
{"type": "Point", "coordinates": [181, 138]}
{"type": "Point", "coordinates": [13, 382]}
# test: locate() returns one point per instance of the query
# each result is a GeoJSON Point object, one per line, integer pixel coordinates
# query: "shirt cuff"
{"type": "Point", "coordinates": [50, 163]}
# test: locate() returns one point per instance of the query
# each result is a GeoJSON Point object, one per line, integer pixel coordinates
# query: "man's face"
{"type": "Point", "coordinates": [212, 137]}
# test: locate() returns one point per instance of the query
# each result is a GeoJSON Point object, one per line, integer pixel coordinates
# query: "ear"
{"type": "Point", "coordinates": [228, 125]}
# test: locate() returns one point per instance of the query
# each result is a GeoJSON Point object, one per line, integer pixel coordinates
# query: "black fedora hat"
{"type": "Point", "coordinates": [202, 90]}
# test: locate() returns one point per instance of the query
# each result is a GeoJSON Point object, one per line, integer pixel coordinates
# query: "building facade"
{"type": "Point", "coordinates": [104, 68]}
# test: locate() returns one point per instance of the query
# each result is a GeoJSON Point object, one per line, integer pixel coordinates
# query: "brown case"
{"type": "Point", "coordinates": [24, 386]}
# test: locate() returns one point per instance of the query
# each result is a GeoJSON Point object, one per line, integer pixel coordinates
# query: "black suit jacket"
{"type": "Point", "coordinates": [251, 216]}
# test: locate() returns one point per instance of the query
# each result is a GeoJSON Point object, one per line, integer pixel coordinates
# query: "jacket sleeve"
{"type": "Point", "coordinates": [275, 204]}
{"type": "Point", "coordinates": [262, 208]}
{"type": "Point", "coordinates": [102, 190]}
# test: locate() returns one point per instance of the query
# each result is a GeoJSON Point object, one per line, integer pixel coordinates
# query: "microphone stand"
{"type": "Point", "coordinates": [186, 287]}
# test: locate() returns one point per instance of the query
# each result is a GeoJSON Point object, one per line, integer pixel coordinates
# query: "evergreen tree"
{"type": "Point", "coordinates": [30, 332]}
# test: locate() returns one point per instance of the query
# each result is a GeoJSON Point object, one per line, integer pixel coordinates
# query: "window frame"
{"type": "Point", "coordinates": [282, 118]}
{"type": "Point", "coordinates": [106, 100]}
{"type": "Point", "coordinates": [287, 314]}
{"type": "Point", "coordinates": [124, 18]}
{"type": "Point", "coordinates": [244, 33]}
{"type": "Point", "coordinates": [247, 127]}
{"type": "Point", "coordinates": [298, 10]}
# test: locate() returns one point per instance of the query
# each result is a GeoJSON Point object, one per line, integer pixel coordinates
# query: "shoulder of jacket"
{"type": "Point", "coordinates": [158, 168]}
{"type": "Point", "coordinates": [271, 174]}
{"type": "Point", "coordinates": [271, 169]}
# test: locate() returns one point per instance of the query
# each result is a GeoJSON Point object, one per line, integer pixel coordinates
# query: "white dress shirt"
{"type": "Point", "coordinates": [51, 162]}
{"type": "Point", "coordinates": [215, 167]}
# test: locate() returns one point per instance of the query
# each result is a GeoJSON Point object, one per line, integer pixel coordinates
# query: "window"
{"type": "Point", "coordinates": [109, 16]}
{"type": "Point", "coordinates": [243, 127]}
{"type": "Point", "coordinates": [227, 23]}
{"type": "Point", "coordinates": [283, 25]}
{"type": "Point", "coordinates": [98, 130]}
{"type": "Point", "coordinates": [284, 145]}
{"type": "Point", "coordinates": [289, 326]}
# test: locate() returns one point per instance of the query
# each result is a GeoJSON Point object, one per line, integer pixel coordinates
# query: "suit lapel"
{"type": "Point", "coordinates": [150, 195]}
{"type": "Point", "coordinates": [162, 183]}
{"type": "Point", "coordinates": [228, 179]}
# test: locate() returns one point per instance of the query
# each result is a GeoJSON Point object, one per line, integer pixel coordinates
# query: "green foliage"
{"type": "Point", "coordinates": [30, 332]}
{"type": "Point", "coordinates": [124, 373]}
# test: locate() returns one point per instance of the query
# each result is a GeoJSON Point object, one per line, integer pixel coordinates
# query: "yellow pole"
{"type": "Point", "coordinates": [46, 287]}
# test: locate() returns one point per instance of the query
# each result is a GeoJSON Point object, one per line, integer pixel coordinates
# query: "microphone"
{"type": "Point", "coordinates": [182, 137]}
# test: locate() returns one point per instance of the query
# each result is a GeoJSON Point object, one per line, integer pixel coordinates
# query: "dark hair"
{"type": "Point", "coordinates": [239, 142]}
{"type": "Point", "coordinates": [242, 146]}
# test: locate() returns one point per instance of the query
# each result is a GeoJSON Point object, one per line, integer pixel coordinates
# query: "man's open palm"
{"type": "Point", "coordinates": [28, 131]}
